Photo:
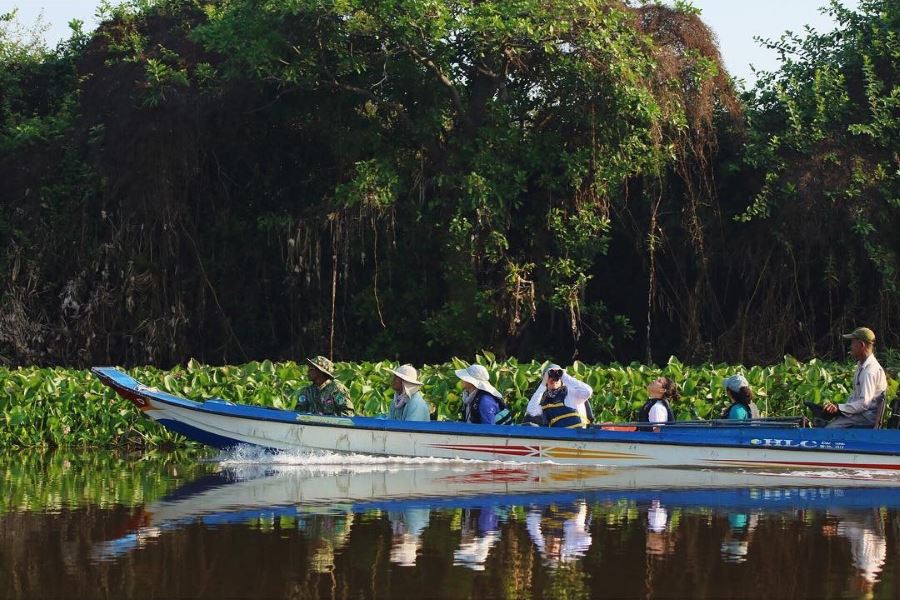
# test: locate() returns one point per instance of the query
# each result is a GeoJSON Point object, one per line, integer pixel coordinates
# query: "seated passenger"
{"type": "Point", "coordinates": [742, 405]}
{"type": "Point", "coordinates": [408, 404]}
{"type": "Point", "coordinates": [658, 409]}
{"type": "Point", "coordinates": [560, 400]}
{"type": "Point", "coordinates": [326, 395]}
{"type": "Point", "coordinates": [481, 402]}
{"type": "Point", "coordinates": [862, 408]}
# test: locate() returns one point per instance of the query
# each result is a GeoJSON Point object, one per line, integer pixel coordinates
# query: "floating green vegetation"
{"type": "Point", "coordinates": [51, 407]}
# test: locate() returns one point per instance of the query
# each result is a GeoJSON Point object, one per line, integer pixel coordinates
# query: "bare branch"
{"type": "Point", "coordinates": [454, 93]}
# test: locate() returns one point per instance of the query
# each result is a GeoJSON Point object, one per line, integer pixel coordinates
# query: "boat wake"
{"type": "Point", "coordinates": [252, 455]}
{"type": "Point", "coordinates": [250, 461]}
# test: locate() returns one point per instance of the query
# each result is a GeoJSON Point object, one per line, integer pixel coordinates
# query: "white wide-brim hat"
{"type": "Point", "coordinates": [408, 374]}
{"type": "Point", "coordinates": [478, 376]}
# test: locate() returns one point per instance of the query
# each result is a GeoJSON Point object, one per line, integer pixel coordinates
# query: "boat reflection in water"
{"type": "Point", "coordinates": [561, 532]}
{"type": "Point", "coordinates": [737, 540]}
{"type": "Point", "coordinates": [868, 547]}
{"type": "Point", "coordinates": [660, 538]}
{"type": "Point", "coordinates": [568, 519]}
{"type": "Point", "coordinates": [327, 534]}
{"type": "Point", "coordinates": [406, 534]}
{"type": "Point", "coordinates": [479, 532]}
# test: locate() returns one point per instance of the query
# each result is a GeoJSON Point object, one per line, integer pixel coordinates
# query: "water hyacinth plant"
{"type": "Point", "coordinates": [51, 407]}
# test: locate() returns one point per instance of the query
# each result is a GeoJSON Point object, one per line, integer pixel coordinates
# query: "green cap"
{"type": "Point", "coordinates": [322, 364]}
{"type": "Point", "coordinates": [861, 333]}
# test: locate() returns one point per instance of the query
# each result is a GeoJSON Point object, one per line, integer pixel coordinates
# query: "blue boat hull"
{"type": "Point", "coordinates": [223, 424]}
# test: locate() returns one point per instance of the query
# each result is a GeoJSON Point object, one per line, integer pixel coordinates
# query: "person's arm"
{"type": "Point", "coordinates": [392, 412]}
{"type": "Point", "coordinates": [578, 391]}
{"type": "Point", "coordinates": [302, 398]}
{"type": "Point", "coordinates": [343, 406]}
{"type": "Point", "coordinates": [658, 413]}
{"type": "Point", "coordinates": [534, 405]}
{"type": "Point", "coordinates": [487, 409]}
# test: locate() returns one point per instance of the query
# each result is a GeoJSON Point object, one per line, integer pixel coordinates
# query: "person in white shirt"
{"type": "Point", "coordinates": [561, 400]}
{"type": "Point", "coordinates": [869, 385]}
{"type": "Point", "coordinates": [661, 392]}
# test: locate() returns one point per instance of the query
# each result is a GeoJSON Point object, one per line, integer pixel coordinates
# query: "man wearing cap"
{"type": "Point", "coordinates": [408, 404]}
{"type": "Point", "coordinates": [481, 402]}
{"type": "Point", "coordinates": [869, 385]}
{"type": "Point", "coordinates": [326, 395]}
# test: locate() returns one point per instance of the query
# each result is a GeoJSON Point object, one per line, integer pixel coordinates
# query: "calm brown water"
{"type": "Point", "coordinates": [181, 526]}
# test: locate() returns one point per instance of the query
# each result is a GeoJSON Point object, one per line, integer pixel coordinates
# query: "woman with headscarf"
{"type": "Point", "coordinates": [408, 404]}
{"type": "Point", "coordinates": [481, 402]}
{"type": "Point", "coordinates": [560, 400]}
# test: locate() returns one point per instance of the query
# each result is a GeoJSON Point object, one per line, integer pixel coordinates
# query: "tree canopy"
{"type": "Point", "coordinates": [420, 178]}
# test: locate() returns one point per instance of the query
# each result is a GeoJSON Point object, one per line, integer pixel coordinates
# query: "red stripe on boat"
{"type": "Point", "coordinates": [509, 450]}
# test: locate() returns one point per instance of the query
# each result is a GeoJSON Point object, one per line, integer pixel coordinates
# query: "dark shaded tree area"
{"type": "Point", "coordinates": [234, 180]}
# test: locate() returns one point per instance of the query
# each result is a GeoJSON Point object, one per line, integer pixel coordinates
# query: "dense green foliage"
{"type": "Point", "coordinates": [418, 179]}
{"type": "Point", "coordinates": [60, 407]}
{"type": "Point", "coordinates": [824, 145]}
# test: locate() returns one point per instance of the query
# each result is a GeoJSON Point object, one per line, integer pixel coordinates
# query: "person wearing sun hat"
{"type": "Point", "coordinates": [408, 403]}
{"type": "Point", "coordinates": [326, 395]}
{"type": "Point", "coordinates": [742, 406]}
{"type": "Point", "coordinates": [869, 385]}
{"type": "Point", "coordinates": [481, 402]}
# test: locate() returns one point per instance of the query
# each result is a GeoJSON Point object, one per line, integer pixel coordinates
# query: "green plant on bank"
{"type": "Point", "coordinates": [49, 407]}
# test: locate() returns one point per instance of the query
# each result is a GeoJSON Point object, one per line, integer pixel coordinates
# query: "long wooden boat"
{"type": "Point", "coordinates": [763, 443]}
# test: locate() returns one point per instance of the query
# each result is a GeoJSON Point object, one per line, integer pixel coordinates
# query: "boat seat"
{"type": "Point", "coordinates": [879, 412]}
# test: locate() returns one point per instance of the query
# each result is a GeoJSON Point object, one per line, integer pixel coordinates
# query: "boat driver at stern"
{"type": "Point", "coordinates": [326, 395]}
{"type": "Point", "coordinates": [869, 385]}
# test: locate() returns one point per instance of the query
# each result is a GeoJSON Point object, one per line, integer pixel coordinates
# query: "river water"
{"type": "Point", "coordinates": [247, 525]}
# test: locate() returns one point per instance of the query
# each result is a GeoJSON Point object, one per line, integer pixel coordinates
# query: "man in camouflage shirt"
{"type": "Point", "coordinates": [326, 396]}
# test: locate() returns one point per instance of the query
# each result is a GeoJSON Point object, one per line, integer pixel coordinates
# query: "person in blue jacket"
{"type": "Point", "coordinates": [481, 402]}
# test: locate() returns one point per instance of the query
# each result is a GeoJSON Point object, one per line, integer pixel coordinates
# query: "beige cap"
{"type": "Point", "coordinates": [861, 333]}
